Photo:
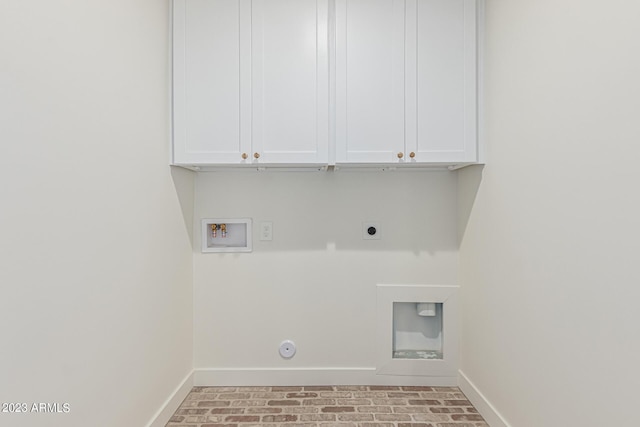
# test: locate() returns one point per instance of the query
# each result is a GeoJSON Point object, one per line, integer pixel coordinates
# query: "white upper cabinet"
{"type": "Point", "coordinates": [251, 82]}
{"type": "Point", "coordinates": [208, 126]}
{"type": "Point", "coordinates": [290, 81]}
{"type": "Point", "coordinates": [406, 81]}
{"type": "Point", "coordinates": [317, 82]}
{"type": "Point", "coordinates": [370, 76]}
{"type": "Point", "coordinates": [441, 81]}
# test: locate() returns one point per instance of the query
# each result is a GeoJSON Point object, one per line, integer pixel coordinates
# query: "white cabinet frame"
{"type": "Point", "coordinates": [411, 54]}
{"type": "Point", "coordinates": [377, 90]}
{"type": "Point", "coordinates": [221, 77]}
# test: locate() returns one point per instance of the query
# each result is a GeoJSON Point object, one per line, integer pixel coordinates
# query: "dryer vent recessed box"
{"type": "Point", "coordinates": [226, 235]}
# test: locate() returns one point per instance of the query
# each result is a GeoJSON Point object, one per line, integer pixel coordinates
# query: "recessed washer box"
{"type": "Point", "coordinates": [226, 235]}
{"type": "Point", "coordinates": [418, 332]}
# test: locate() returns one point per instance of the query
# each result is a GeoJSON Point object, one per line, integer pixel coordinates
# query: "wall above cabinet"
{"type": "Point", "coordinates": [319, 83]}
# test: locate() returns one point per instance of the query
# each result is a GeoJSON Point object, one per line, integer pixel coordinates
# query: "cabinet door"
{"type": "Point", "coordinates": [209, 51]}
{"type": "Point", "coordinates": [369, 80]}
{"type": "Point", "coordinates": [290, 81]}
{"type": "Point", "coordinates": [441, 80]}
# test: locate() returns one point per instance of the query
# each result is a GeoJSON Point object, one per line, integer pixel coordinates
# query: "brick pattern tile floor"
{"type": "Point", "coordinates": [326, 406]}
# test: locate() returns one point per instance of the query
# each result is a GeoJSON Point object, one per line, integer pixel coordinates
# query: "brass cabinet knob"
{"type": "Point", "coordinates": [244, 155]}
{"type": "Point", "coordinates": [412, 154]}
{"type": "Point", "coordinates": [256, 155]}
{"type": "Point", "coordinates": [400, 155]}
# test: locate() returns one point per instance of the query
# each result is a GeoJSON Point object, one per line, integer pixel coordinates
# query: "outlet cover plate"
{"type": "Point", "coordinates": [266, 230]}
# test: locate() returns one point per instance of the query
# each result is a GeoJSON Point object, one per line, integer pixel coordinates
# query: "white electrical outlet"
{"type": "Point", "coordinates": [371, 231]}
{"type": "Point", "coordinates": [266, 230]}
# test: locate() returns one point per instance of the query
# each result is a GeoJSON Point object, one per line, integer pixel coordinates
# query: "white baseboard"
{"type": "Point", "coordinates": [484, 407]}
{"type": "Point", "coordinates": [164, 414]}
{"type": "Point", "coordinates": [310, 376]}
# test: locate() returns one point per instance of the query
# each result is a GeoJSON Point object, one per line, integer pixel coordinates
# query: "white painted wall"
{"type": "Point", "coordinates": [95, 260]}
{"type": "Point", "coordinates": [549, 268]}
{"type": "Point", "coordinates": [315, 283]}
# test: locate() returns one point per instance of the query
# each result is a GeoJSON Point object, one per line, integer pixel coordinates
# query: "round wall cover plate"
{"type": "Point", "coordinates": [287, 349]}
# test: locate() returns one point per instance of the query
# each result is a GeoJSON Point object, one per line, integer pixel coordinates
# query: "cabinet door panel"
{"type": "Point", "coordinates": [207, 82]}
{"type": "Point", "coordinates": [369, 80]}
{"type": "Point", "coordinates": [290, 81]}
{"type": "Point", "coordinates": [445, 85]}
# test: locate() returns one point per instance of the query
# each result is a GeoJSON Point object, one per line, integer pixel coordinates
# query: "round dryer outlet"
{"type": "Point", "coordinates": [287, 349]}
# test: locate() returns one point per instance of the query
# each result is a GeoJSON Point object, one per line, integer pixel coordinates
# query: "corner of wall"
{"type": "Point", "coordinates": [484, 407]}
{"type": "Point", "coordinates": [169, 407]}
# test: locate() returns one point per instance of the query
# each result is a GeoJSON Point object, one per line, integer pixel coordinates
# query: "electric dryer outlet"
{"type": "Point", "coordinates": [371, 230]}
